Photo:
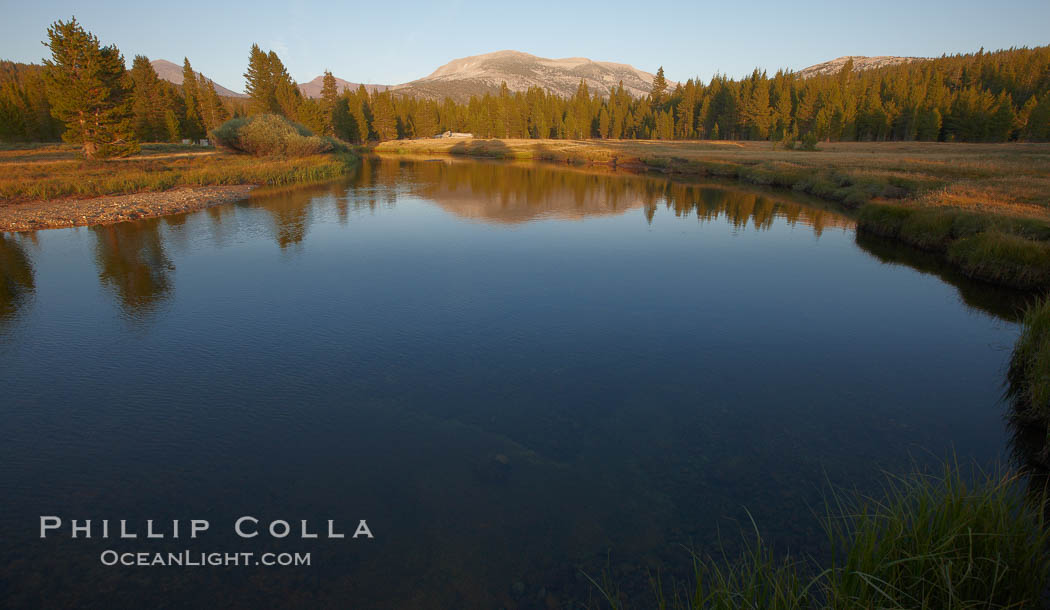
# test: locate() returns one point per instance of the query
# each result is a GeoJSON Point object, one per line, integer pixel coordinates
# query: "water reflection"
{"type": "Point", "coordinates": [133, 265]}
{"type": "Point", "coordinates": [501, 192]}
{"type": "Point", "coordinates": [1001, 302]}
{"type": "Point", "coordinates": [581, 393]}
{"type": "Point", "coordinates": [17, 282]}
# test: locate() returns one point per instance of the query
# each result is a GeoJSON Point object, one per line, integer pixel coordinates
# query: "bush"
{"type": "Point", "coordinates": [270, 135]}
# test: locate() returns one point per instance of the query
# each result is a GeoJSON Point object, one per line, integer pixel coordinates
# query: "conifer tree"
{"type": "Point", "coordinates": [193, 125]}
{"type": "Point", "coordinates": [659, 88]}
{"type": "Point", "coordinates": [89, 91]}
{"type": "Point", "coordinates": [329, 95]}
{"type": "Point", "coordinates": [213, 111]}
{"type": "Point", "coordinates": [148, 102]}
{"type": "Point", "coordinates": [384, 121]}
{"type": "Point", "coordinates": [259, 82]}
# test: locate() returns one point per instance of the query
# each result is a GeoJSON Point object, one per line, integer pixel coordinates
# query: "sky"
{"type": "Point", "coordinates": [395, 42]}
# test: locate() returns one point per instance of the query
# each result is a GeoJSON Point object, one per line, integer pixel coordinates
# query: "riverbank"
{"type": "Point", "coordinates": [45, 187]}
{"type": "Point", "coordinates": [72, 212]}
{"type": "Point", "coordinates": [991, 202]}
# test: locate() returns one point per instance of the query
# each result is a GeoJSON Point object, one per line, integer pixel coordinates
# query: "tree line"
{"type": "Point", "coordinates": [980, 97]}
{"type": "Point", "coordinates": [85, 94]}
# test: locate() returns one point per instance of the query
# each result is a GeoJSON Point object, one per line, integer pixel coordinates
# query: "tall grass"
{"type": "Point", "coordinates": [1028, 382]}
{"type": "Point", "coordinates": [1003, 250]}
{"type": "Point", "coordinates": [949, 541]}
{"type": "Point", "coordinates": [938, 542]}
{"type": "Point", "coordinates": [28, 181]}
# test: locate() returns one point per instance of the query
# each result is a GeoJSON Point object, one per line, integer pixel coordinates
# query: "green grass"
{"type": "Point", "coordinates": [1004, 259]}
{"type": "Point", "coordinates": [1028, 378]}
{"type": "Point", "coordinates": [950, 541]}
{"type": "Point", "coordinates": [1002, 250]}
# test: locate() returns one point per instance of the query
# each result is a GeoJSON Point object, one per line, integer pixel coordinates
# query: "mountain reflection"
{"type": "Point", "coordinates": [133, 264]}
{"type": "Point", "coordinates": [17, 282]}
{"type": "Point", "coordinates": [509, 193]}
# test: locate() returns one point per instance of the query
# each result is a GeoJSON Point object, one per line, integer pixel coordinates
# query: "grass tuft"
{"type": "Point", "coordinates": [954, 540]}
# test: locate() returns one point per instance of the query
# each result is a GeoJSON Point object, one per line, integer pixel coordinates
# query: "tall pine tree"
{"type": "Point", "coordinates": [89, 91]}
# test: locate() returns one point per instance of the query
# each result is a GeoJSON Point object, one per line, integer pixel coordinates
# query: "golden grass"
{"type": "Point", "coordinates": [52, 172]}
{"type": "Point", "coordinates": [1011, 179]}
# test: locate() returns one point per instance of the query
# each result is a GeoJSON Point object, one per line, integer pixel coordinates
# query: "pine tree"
{"type": "Point", "coordinates": [148, 103]}
{"type": "Point", "coordinates": [329, 95]}
{"type": "Point", "coordinates": [286, 92]}
{"type": "Point", "coordinates": [213, 111]}
{"type": "Point", "coordinates": [193, 125]}
{"type": "Point", "coordinates": [604, 122]}
{"type": "Point", "coordinates": [259, 82]}
{"type": "Point", "coordinates": [659, 88]}
{"type": "Point", "coordinates": [384, 121]}
{"type": "Point", "coordinates": [89, 91]}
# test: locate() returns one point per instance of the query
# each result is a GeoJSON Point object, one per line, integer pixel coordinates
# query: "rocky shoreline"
{"type": "Point", "coordinates": [62, 213]}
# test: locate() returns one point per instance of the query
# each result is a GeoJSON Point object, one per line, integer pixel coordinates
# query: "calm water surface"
{"type": "Point", "coordinates": [518, 374]}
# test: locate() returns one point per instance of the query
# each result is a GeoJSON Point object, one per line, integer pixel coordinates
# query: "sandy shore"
{"type": "Point", "coordinates": [59, 213]}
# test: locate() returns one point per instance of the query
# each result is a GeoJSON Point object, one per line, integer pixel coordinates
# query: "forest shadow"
{"type": "Point", "coordinates": [493, 149]}
{"type": "Point", "coordinates": [1004, 303]}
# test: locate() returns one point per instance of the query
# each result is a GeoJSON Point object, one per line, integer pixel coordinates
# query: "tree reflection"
{"type": "Point", "coordinates": [132, 263]}
{"type": "Point", "coordinates": [1003, 303]}
{"type": "Point", "coordinates": [17, 280]}
{"type": "Point", "coordinates": [513, 193]}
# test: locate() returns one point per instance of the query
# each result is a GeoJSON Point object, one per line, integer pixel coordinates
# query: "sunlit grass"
{"type": "Point", "coordinates": [1012, 179]}
{"type": "Point", "coordinates": [20, 180]}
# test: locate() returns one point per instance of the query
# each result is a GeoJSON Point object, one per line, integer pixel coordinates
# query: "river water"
{"type": "Point", "coordinates": [523, 377]}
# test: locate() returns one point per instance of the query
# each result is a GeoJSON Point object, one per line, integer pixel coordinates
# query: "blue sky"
{"type": "Point", "coordinates": [394, 42]}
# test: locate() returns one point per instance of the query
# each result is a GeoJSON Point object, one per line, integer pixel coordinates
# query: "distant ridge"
{"type": "Point", "coordinates": [860, 63]}
{"type": "Point", "coordinates": [313, 88]}
{"type": "Point", "coordinates": [481, 74]}
{"type": "Point", "coordinates": [172, 73]}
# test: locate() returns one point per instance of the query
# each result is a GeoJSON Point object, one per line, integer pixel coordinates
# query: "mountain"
{"type": "Point", "coordinates": [480, 74]}
{"type": "Point", "coordinates": [860, 63]}
{"type": "Point", "coordinates": [313, 88]}
{"type": "Point", "coordinates": [173, 74]}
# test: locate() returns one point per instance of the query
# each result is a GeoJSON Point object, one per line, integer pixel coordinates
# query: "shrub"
{"type": "Point", "coordinates": [270, 135]}
{"type": "Point", "coordinates": [809, 142]}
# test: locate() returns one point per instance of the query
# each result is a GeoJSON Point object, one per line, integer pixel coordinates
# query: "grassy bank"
{"type": "Point", "coordinates": [930, 542]}
{"type": "Point", "coordinates": [53, 172]}
{"type": "Point", "coordinates": [1028, 387]}
{"type": "Point", "coordinates": [985, 206]}
{"type": "Point", "coordinates": [1004, 250]}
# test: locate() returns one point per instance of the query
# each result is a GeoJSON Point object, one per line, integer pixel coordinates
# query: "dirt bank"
{"type": "Point", "coordinates": [59, 213]}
